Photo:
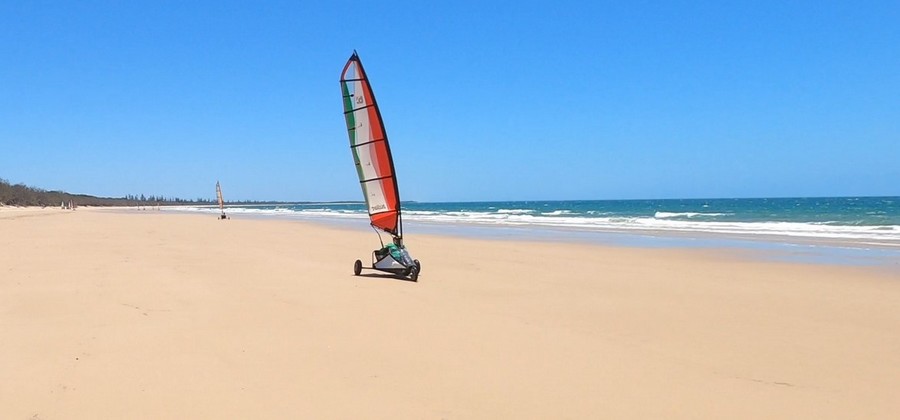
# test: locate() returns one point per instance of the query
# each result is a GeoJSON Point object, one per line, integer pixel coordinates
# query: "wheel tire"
{"type": "Point", "coordinates": [418, 265]}
{"type": "Point", "coordinates": [357, 267]}
{"type": "Point", "coordinates": [414, 274]}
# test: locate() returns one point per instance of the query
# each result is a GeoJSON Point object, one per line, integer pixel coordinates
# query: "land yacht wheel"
{"type": "Point", "coordinates": [414, 274]}
{"type": "Point", "coordinates": [357, 267]}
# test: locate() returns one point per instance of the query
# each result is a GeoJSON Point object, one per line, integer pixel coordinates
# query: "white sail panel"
{"type": "Point", "coordinates": [371, 152]}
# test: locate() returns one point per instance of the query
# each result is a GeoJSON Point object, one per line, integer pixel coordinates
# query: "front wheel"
{"type": "Point", "coordinates": [414, 274]}
{"type": "Point", "coordinates": [357, 267]}
{"type": "Point", "coordinates": [418, 265]}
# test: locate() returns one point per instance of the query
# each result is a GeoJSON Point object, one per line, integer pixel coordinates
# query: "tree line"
{"type": "Point", "coordinates": [24, 195]}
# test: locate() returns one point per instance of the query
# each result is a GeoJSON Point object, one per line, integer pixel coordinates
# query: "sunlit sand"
{"type": "Point", "coordinates": [144, 314]}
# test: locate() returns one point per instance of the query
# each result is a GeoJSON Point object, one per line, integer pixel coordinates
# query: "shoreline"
{"type": "Point", "coordinates": [835, 251]}
{"type": "Point", "coordinates": [765, 247]}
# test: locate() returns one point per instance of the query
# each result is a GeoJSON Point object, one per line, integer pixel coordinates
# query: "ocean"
{"type": "Point", "coordinates": [854, 221]}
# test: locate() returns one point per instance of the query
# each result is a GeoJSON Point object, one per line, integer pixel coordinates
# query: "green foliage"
{"type": "Point", "coordinates": [23, 195]}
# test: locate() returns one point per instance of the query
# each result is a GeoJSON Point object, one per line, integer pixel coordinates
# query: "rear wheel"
{"type": "Point", "coordinates": [414, 274]}
{"type": "Point", "coordinates": [357, 267]}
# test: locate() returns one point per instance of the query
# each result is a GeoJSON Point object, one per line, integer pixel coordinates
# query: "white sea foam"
{"type": "Point", "coordinates": [420, 212]}
{"type": "Point", "coordinates": [556, 213]}
{"type": "Point", "coordinates": [809, 230]}
{"type": "Point", "coordinates": [689, 214]}
{"type": "Point", "coordinates": [514, 211]}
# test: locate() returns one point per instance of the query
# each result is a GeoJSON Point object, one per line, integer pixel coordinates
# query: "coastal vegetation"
{"type": "Point", "coordinates": [25, 195]}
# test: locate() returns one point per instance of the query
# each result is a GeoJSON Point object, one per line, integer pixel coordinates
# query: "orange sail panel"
{"type": "Point", "coordinates": [371, 151]}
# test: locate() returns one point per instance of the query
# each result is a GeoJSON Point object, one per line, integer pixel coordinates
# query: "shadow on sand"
{"type": "Point", "coordinates": [386, 276]}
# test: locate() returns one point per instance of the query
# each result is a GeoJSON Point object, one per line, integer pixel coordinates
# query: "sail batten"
{"type": "Point", "coordinates": [363, 144]}
{"type": "Point", "coordinates": [375, 179]}
{"type": "Point", "coordinates": [357, 109]}
{"type": "Point", "coordinates": [370, 148]}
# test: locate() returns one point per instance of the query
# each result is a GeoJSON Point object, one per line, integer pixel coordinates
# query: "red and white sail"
{"type": "Point", "coordinates": [371, 151]}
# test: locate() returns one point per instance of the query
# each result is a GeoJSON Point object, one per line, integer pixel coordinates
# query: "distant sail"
{"type": "Point", "coordinates": [219, 197]}
{"type": "Point", "coordinates": [371, 151]}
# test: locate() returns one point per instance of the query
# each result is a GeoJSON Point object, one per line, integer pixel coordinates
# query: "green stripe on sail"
{"type": "Point", "coordinates": [351, 124]}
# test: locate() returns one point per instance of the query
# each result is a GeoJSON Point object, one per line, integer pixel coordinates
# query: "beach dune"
{"type": "Point", "coordinates": [146, 314]}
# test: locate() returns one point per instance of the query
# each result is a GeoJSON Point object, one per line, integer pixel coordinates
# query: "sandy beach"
{"type": "Point", "coordinates": [146, 314]}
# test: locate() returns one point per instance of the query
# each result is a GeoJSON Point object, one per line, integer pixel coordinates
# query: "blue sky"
{"type": "Point", "coordinates": [489, 100]}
